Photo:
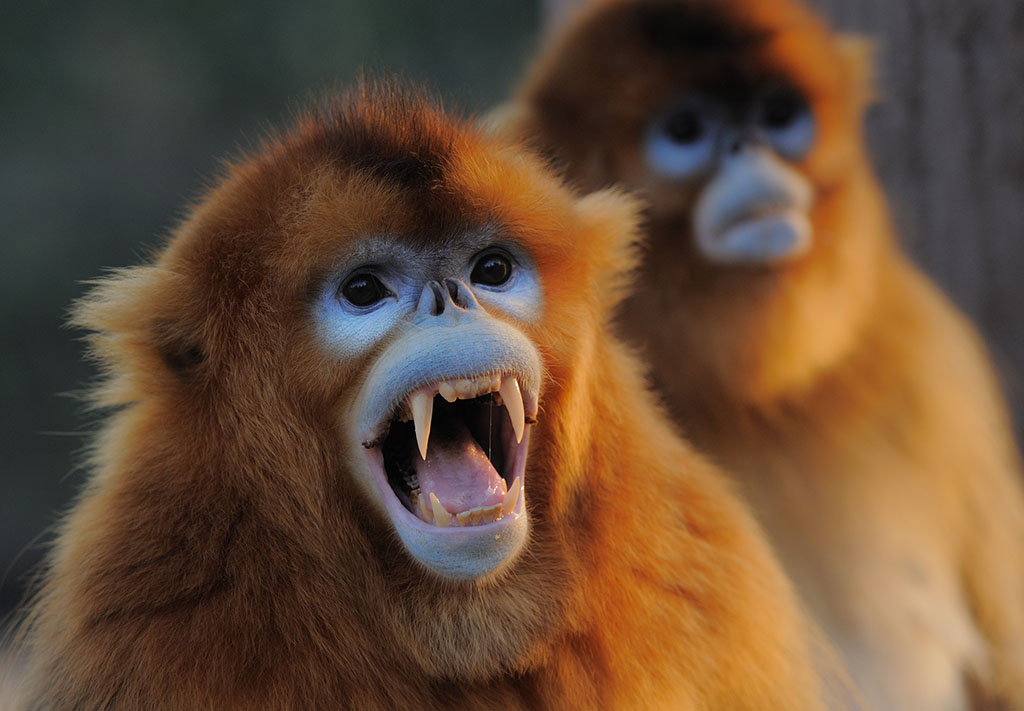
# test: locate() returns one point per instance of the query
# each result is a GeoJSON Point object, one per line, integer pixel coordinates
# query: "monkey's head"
{"type": "Point", "coordinates": [739, 122]}
{"type": "Point", "coordinates": [359, 326]}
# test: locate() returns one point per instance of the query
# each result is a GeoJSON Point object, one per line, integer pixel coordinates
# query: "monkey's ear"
{"type": "Point", "coordinates": [137, 322]}
{"type": "Point", "coordinates": [613, 242]}
{"type": "Point", "coordinates": [858, 53]}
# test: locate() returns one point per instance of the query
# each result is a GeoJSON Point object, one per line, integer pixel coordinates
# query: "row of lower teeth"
{"type": "Point", "coordinates": [430, 509]}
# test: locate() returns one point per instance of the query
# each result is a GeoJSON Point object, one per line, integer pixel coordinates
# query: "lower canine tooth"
{"type": "Point", "coordinates": [441, 516]}
{"type": "Point", "coordinates": [512, 497]}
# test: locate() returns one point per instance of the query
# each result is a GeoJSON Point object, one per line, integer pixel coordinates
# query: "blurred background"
{"type": "Point", "coordinates": [112, 114]}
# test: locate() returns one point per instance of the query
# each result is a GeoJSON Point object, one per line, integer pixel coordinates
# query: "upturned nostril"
{"type": "Point", "coordinates": [438, 298]}
{"type": "Point", "coordinates": [456, 292]}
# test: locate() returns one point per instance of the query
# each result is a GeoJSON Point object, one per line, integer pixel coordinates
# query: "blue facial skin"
{"type": "Point", "coordinates": [428, 320]}
{"type": "Point", "coordinates": [794, 139]}
{"type": "Point", "coordinates": [348, 330]}
{"type": "Point", "coordinates": [465, 344]}
{"type": "Point", "coordinates": [684, 142]}
{"type": "Point", "coordinates": [691, 138]}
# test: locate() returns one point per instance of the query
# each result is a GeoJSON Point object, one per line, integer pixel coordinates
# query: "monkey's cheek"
{"type": "Point", "coordinates": [766, 240]}
{"type": "Point", "coordinates": [457, 552]}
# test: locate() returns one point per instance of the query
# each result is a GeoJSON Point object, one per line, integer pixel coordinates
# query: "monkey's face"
{"type": "Point", "coordinates": [750, 203]}
{"type": "Point", "coordinates": [443, 414]}
{"type": "Point", "coordinates": [399, 293]}
{"type": "Point", "coordinates": [437, 303]}
{"type": "Point", "coordinates": [734, 119]}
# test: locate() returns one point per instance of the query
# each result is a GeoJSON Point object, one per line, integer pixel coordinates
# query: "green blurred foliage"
{"type": "Point", "coordinates": [112, 115]}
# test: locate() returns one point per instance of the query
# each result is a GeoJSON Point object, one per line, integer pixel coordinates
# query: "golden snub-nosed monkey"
{"type": "Point", "coordinates": [791, 338]}
{"type": "Point", "coordinates": [376, 448]}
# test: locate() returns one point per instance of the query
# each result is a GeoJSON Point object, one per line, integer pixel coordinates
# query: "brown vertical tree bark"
{"type": "Point", "coordinates": [948, 141]}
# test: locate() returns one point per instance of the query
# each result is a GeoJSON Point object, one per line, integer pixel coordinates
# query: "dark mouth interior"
{"type": "Point", "coordinates": [483, 416]}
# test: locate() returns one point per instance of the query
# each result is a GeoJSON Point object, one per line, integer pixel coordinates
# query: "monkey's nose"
{"type": "Point", "coordinates": [432, 300]}
{"type": "Point", "coordinates": [449, 300]}
{"type": "Point", "coordinates": [461, 295]}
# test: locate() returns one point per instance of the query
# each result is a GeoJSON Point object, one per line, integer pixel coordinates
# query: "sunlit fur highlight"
{"type": "Point", "coordinates": [856, 406]}
{"type": "Point", "coordinates": [222, 557]}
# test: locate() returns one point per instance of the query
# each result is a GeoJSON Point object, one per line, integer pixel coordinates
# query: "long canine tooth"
{"type": "Point", "coordinates": [512, 497]}
{"type": "Point", "coordinates": [441, 515]}
{"type": "Point", "coordinates": [447, 391]}
{"type": "Point", "coordinates": [513, 399]}
{"type": "Point", "coordinates": [422, 406]}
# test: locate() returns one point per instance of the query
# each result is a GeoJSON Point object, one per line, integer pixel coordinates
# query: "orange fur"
{"type": "Point", "coordinates": [854, 404]}
{"type": "Point", "coordinates": [221, 556]}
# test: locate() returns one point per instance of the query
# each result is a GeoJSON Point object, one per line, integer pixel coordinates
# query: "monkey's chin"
{"type": "Point", "coordinates": [453, 551]}
{"type": "Point", "coordinates": [767, 239]}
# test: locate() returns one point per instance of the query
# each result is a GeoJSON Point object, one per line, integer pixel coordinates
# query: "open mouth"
{"type": "Point", "coordinates": [453, 452]}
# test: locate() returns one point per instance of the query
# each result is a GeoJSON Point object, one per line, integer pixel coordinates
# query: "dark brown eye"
{"type": "Point", "coordinates": [491, 270]}
{"type": "Point", "coordinates": [781, 108]}
{"type": "Point", "coordinates": [363, 290]}
{"type": "Point", "coordinates": [684, 126]}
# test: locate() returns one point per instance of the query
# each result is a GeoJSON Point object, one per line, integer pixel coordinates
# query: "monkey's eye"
{"type": "Point", "coordinates": [681, 143]}
{"type": "Point", "coordinates": [491, 269]}
{"type": "Point", "coordinates": [781, 108]}
{"type": "Point", "coordinates": [787, 121]}
{"type": "Point", "coordinates": [363, 290]}
{"type": "Point", "coordinates": [684, 126]}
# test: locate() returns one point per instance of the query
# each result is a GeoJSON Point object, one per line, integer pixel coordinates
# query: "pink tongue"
{"type": "Point", "coordinates": [457, 471]}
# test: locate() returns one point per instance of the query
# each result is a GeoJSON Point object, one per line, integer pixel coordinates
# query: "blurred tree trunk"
{"type": "Point", "coordinates": [948, 140]}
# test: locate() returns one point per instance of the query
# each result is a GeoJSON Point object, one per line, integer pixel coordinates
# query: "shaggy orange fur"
{"type": "Point", "coordinates": [222, 556]}
{"type": "Point", "coordinates": [855, 405]}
